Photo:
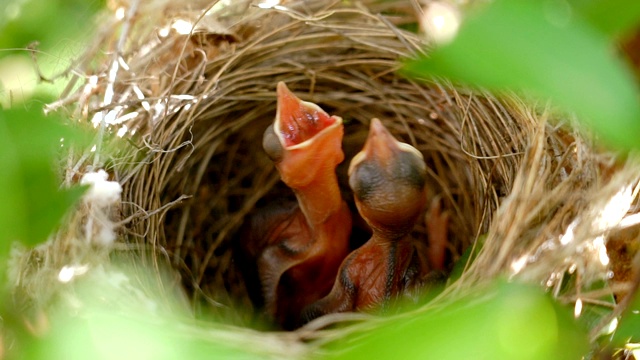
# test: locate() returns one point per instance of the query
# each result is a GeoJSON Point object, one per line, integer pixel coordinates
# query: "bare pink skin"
{"type": "Point", "coordinates": [388, 179]}
{"type": "Point", "coordinates": [301, 257]}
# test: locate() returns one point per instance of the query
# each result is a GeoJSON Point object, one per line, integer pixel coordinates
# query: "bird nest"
{"type": "Point", "coordinates": [180, 95]}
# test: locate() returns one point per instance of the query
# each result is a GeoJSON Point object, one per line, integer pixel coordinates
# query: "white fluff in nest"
{"type": "Point", "coordinates": [106, 235]}
{"type": "Point", "coordinates": [69, 272]}
{"type": "Point", "coordinates": [102, 193]}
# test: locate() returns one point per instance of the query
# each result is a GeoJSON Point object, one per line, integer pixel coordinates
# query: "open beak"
{"type": "Point", "coordinates": [299, 121]}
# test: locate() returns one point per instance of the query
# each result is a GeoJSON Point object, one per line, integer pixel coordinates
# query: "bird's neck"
{"type": "Point", "coordinates": [320, 198]}
{"type": "Point", "coordinates": [382, 235]}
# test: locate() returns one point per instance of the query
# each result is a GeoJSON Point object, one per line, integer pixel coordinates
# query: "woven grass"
{"type": "Point", "coordinates": [195, 106]}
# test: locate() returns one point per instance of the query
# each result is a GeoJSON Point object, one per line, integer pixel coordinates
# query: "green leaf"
{"type": "Point", "coordinates": [130, 312]}
{"type": "Point", "coordinates": [13, 218]}
{"type": "Point", "coordinates": [34, 203]}
{"type": "Point", "coordinates": [103, 334]}
{"type": "Point", "coordinates": [629, 326]}
{"type": "Point", "coordinates": [534, 47]}
{"type": "Point", "coordinates": [612, 17]}
{"type": "Point", "coordinates": [594, 313]}
{"type": "Point", "coordinates": [508, 321]}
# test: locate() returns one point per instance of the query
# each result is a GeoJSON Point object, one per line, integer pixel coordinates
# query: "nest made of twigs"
{"type": "Point", "coordinates": [191, 108]}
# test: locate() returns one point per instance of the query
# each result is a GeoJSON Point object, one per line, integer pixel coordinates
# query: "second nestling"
{"type": "Point", "coordinates": [388, 180]}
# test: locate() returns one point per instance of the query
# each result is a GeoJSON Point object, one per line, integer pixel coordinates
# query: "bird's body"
{"type": "Point", "coordinates": [299, 264]}
{"type": "Point", "coordinates": [298, 254]}
{"type": "Point", "coordinates": [388, 180]}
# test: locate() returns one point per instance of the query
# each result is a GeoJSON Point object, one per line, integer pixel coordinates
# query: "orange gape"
{"type": "Point", "coordinates": [388, 181]}
{"type": "Point", "coordinates": [298, 257]}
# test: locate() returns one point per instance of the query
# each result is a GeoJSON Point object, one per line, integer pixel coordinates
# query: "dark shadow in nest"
{"type": "Point", "coordinates": [202, 101]}
{"type": "Point", "coordinates": [241, 181]}
{"type": "Point", "coordinates": [468, 143]}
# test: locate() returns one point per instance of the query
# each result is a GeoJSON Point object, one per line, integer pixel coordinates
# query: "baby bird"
{"type": "Point", "coordinates": [388, 181]}
{"type": "Point", "coordinates": [303, 246]}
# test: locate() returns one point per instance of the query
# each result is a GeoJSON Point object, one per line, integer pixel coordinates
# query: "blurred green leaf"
{"type": "Point", "coordinates": [12, 206]}
{"type": "Point", "coordinates": [612, 17]}
{"type": "Point", "coordinates": [593, 313]}
{"type": "Point", "coordinates": [33, 203]}
{"type": "Point", "coordinates": [629, 325]}
{"type": "Point", "coordinates": [594, 310]}
{"type": "Point", "coordinates": [103, 334]}
{"type": "Point", "coordinates": [130, 311]}
{"type": "Point", "coordinates": [511, 321]}
{"type": "Point", "coordinates": [25, 21]}
{"type": "Point", "coordinates": [57, 30]}
{"type": "Point", "coordinates": [537, 47]}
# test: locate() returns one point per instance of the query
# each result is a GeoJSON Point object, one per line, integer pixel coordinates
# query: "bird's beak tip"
{"type": "Point", "coordinates": [283, 91]}
{"type": "Point", "coordinates": [298, 121]}
{"type": "Point", "coordinates": [287, 101]}
{"type": "Point", "coordinates": [380, 139]}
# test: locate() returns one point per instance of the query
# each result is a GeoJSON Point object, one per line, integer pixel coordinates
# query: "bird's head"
{"type": "Point", "coordinates": [388, 181]}
{"type": "Point", "coordinates": [303, 139]}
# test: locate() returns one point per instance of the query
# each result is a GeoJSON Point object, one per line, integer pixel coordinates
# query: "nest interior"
{"type": "Point", "coordinates": [194, 107]}
{"type": "Point", "coordinates": [345, 59]}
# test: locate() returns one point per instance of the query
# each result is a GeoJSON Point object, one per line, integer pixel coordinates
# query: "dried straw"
{"type": "Point", "coordinates": [195, 106]}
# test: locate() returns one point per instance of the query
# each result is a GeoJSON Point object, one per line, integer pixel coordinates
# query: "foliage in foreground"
{"type": "Point", "coordinates": [511, 45]}
{"type": "Point", "coordinates": [554, 50]}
